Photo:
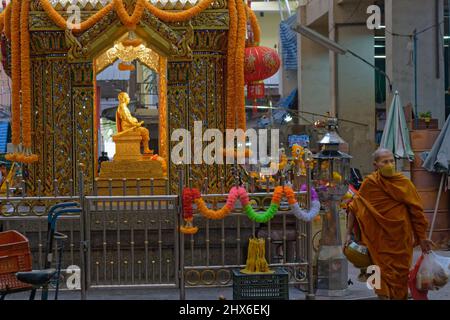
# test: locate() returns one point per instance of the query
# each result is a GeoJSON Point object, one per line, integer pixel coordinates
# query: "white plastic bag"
{"type": "Point", "coordinates": [434, 272]}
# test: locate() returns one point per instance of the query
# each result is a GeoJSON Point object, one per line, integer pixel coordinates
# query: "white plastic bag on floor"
{"type": "Point", "coordinates": [434, 272]}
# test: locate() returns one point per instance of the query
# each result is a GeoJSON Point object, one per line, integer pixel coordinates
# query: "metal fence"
{"type": "Point", "coordinates": [134, 240]}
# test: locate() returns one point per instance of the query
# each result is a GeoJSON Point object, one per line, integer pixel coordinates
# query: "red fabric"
{"type": "Point", "coordinates": [416, 293]}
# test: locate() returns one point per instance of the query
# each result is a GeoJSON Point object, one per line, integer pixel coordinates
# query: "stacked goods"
{"type": "Point", "coordinates": [427, 184]}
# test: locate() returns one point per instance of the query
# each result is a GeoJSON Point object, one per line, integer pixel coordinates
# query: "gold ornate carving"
{"type": "Point", "coordinates": [187, 43]}
{"type": "Point", "coordinates": [128, 54]}
{"type": "Point", "coordinates": [210, 41]}
{"type": "Point", "coordinates": [49, 133]}
{"type": "Point", "coordinates": [177, 104]}
{"type": "Point", "coordinates": [163, 115]}
{"type": "Point", "coordinates": [36, 170]}
{"type": "Point", "coordinates": [211, 20]}
{"type": "Point", "coordinates": [77, 50]}
{"type": "Point", "coordinates": [82, 103]}
{"type": "Point", "coordinates": [131, 169]}
{"type": "Point", "coordinates": [43, 42]}
{"type": "Point", "coordinates": [82, 74]}
{"type": "Point", "coordinates": [62, 118]}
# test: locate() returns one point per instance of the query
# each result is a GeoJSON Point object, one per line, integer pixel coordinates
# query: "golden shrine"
{"type": "Point", "coordinates": [53, 68]}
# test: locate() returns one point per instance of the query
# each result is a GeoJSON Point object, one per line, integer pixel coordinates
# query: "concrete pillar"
{"type": "Point", "coordinates": [356, 83]}
{"type": "Point", "coordinates": [313, 73]}
{"type": "Point", "coordinates": [356, 96]}
{"type": "Point", "coordinates": [403, 17]}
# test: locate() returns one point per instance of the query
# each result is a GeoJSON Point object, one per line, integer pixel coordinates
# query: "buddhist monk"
{"type": "Point", "coordinates": [125, 121]}
{"type": "Point", "coordinates": [391, 222]}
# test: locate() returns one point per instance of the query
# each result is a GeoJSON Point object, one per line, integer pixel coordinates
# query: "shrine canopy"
{"type": "Point", "coordinates": [16, 24]}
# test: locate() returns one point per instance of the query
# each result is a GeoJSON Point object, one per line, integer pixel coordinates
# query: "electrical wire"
{"type": "Point", "coordinates": [417, 33]}
{"type": "Point", "coordinates": [348, 18]}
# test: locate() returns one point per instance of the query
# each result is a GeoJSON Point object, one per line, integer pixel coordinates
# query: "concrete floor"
{"type": "Point", "coordinates": [356, 291]}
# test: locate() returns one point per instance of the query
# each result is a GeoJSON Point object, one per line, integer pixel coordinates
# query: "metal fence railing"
{"type": "Point", "coordinates": [133, 240]}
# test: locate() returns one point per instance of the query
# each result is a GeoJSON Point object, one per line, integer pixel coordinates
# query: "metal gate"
{"type": "Point", "coordinates": [131, 240]}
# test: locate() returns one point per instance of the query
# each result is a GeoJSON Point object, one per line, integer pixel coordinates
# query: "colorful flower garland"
{"type": "Point", "coordinates": [270, 212]}
{"type": "Point", "coordinates": [305, 215]}
{"type": "Point", "coordinates": [192, 195]}
{"type": "Point", "coordinates": [187, 197]}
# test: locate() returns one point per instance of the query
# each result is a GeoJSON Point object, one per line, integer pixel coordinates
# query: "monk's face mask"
{"type": "Point", "coordinates": [387, 170]}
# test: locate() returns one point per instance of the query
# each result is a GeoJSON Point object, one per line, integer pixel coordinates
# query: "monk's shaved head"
{"type": "Point", "coordinates": [382, 152]}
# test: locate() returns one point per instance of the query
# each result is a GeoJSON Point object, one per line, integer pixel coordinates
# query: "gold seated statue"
{"type": "Point", "coordinates": [128, 161]}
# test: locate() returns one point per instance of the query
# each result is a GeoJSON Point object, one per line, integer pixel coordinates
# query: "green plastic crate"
{"type": "Point", "coordinates": [274, 286]}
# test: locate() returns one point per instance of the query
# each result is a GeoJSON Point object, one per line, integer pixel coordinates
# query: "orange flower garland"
{"type": "Point", "coordinates": [127, 20]}
{"type": "Point", "coordinates": [231, 66]}
{"type": "Point", "coordinates": [131, 42]}
{"type": "Point", "coordinates": [209, 213]}
{"type": "Point", "coordinates": [15, 73]}
{"type": "Point", "coordinates": [25, 74]}
{"type": "Point", "coordinates": [62, 23]}
{"type": "Point", "coordinates": [178, 16]}
{"type": "Point", "coordinates": [91, 21]}
{"type": "Point", "coordinates": [240, 53]}
{"type": "Point", "coordinates": [7, 21]}
{"type": "Point", "coordinates": [125, 67]}
{"type": "Point", "coordinates": [255, 25]}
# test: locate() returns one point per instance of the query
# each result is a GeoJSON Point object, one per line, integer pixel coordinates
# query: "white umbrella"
{"type": "Point", "coordinates": [396, 133]}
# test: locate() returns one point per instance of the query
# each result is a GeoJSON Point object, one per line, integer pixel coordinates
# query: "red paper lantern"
{"type": "Point", "coordinates": [260, 63]}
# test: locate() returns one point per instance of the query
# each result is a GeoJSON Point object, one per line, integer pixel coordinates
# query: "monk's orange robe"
{"type": "Point", "coordinates": [392, 222]}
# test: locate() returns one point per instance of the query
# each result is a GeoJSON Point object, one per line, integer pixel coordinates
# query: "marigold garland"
{"type": "Point", "coordinates": [127, 20]}
{"type": "Point", "coordinates": [231, 65]}
{"type": "Point", "coordinates": [178, 16]}
{"type": "Point", "coordinates": [131, 42]}
{"type": "Point", "coordinates": [25, 74]}
{"type": "Point", "coordinates": [7, 21]}
{"type": "Point", "coordinates": [125, 67]}
{"type": "Point", "coordinates": [254, 25]}
{"type": "Point", "coordinates": [62, 23]}
{"type": "Point", "coordinates": [239, 72]}
{"type": "Point", "coordinates": [15, 73]}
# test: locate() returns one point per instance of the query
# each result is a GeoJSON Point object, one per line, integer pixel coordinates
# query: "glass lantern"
{"type": "Point", "coordinates": [331, 179]}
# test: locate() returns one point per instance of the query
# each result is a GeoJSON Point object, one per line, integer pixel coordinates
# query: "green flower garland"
{"type": "Point", "coordinates": [261, 217]}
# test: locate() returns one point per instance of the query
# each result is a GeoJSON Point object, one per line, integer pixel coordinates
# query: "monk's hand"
{"type": "Point", "coordinates": [426, 245]}
{"type": "Point", "coordinates": [348, 240]}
